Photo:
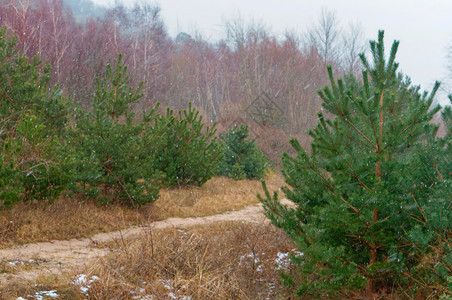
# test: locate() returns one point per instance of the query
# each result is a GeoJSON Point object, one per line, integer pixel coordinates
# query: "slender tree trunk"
{"type": "Point", "coordinates": [373, 247]}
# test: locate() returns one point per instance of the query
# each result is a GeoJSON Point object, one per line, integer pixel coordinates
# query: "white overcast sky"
{"type": "Point", "coordinates": [423, 27]}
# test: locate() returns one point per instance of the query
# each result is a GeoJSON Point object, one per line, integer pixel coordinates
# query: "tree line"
{"type": "Point", "coordinates": [221, 79]}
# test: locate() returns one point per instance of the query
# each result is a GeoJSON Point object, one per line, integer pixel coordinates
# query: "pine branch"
{"type": "Point", "coordinates": [360, 133]}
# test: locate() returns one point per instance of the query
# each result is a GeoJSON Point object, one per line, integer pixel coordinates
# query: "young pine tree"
{"type": "Point", "coordinates": [368, 210]}
{"type": "Point", "coordinates": [185, 152]}
{"type": "Point", "coordinates": [33, 115]}
{"type": "Point", "coordinates": [111, 148]}
{"type": "Point", "coordinates": [435, 169]}
{"type": "Point", "coordinates": [242, 158]}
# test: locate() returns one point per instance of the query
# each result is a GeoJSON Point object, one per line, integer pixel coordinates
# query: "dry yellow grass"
{"type": "Point", "coordinates": [72, 218]}
{"type": "Point", "coordinates": [231, 260]}
{"type": "Point", "coordinates": [205, 262]}
{"type": "Point", "coordinates": [34, 290]}
{"type": "Point", "coordinates": [14, 266]}
{"type": "Point", "coordinates": [218, 195]}
{"type": "Point", "coordinates": [64, 219]}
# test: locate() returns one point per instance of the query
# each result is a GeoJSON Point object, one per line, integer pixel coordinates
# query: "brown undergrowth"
{"type": "Point", "coordinates": [64, 219]}
{"type": "Point", "coordinates": [231, 260]}
{"type": "Point", "coordinates": [218, 195]}
{"type": "Point", "coordinates": [69, 218]}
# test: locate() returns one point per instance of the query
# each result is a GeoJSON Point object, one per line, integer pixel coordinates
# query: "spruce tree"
{"type": "Point", "coordinates": [369, 208]}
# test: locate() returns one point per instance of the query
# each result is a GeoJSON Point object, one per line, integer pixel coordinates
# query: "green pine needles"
{"type": "Point", "coordinates": [110, 159]}
{"type": "Point", "coordinates": [373, 198]}
{"type": "Point", "coordinates": [118, 158]}
{"type": "Point", "coordinates": [105, 153]}
{"type": "Point", "coordinates": [242, 158]}
{"type": "Point", "coordinates": [32, 118]}
{"type": "Point", "coordinates": [185, 152]}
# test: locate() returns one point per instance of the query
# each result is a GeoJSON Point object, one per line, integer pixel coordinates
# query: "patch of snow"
{"type": "Point", "coordinates": [51, 294]}
{"type": "Point", "coordinates": [17, 262]}
{"type": "Point", "coordinates": [140, 291]}
{"type": "Point", "coordinates": [243, 257]}
{"type": "Point", "coordinates": [166, 284]}
{"type": "Point", "coordinates": [251, 255]}
{"type": "Point", "coordinates": [84, 284]}
{"type": "Point", "coordinates": [283, 260]}
{"type": "Point", "coordinates": [79, 279]}
{"type": "Point", "coordinates": [169, 286]}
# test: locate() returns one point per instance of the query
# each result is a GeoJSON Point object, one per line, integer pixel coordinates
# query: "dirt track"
{"type": "Point", "coordinates": [56, 257]}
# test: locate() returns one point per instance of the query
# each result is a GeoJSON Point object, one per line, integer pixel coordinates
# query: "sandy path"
{"type": "Point", "coordinates": [56, 257]}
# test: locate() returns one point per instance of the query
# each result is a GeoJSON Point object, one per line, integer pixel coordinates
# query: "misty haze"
{"type": "Point", "coordinates": [142, 159]}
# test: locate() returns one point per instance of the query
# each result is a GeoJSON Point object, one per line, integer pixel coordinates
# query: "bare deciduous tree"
{"type": "Point", "coordinates": [149, 46]}
{"type": "Point", "coordinates": [18, 17]}
{"type": "Point", "coordinates": [353, 43]}
{"type": "Point", "coordinates": [324, 35]}
{"type": "Point", "coordinates": [56, 32]}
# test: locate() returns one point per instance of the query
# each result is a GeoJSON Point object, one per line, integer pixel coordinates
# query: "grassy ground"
{"type": "Point", "coordinates": [216, 196]}
{"type": "Point", "coordinates": [230, 260]}
{"type": "Point", "coordinates": [74, 218]}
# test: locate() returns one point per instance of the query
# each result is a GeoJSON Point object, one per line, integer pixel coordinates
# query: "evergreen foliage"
{"type": "Point", "coordinates": [242, 158]}
{"type": "Point", "coordinates": [111, 161]}
{"type": "Point", "coordinates": [373, 198]}
{"type": "Point", "coordinates": [185, 153]}
{"type": "Point", "coordinates": [106, 153]}
{"type": "Point", "coordinates": [118, 158]}
{"type": "Point", "coordinates": [435, 156]}
{"type": "Point", "coordinates": [32, 119]}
